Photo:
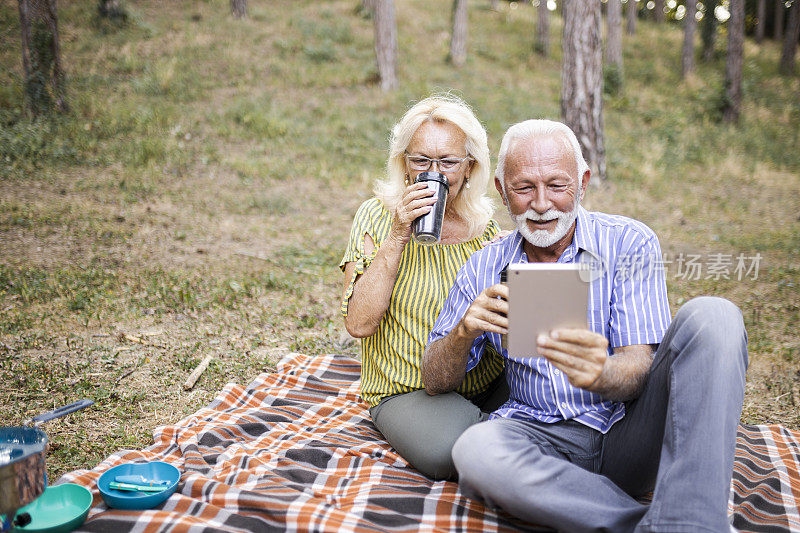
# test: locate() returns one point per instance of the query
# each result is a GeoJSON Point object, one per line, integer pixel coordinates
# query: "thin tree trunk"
{"type": "Point", "coordinates": [111, 9]}
{"type": "Point", "coordinates": [582, 80]}
{"type": "Point", "coordinates": [631, 10]}
{"type": "Point", "coordinates": [761, 19]}
{"type": "Point", "coordinates": [41, 57]}
{"type": "Point", "coordinates": [386, 43]}
{"type": "Point", "coordinates": [614, 34]}
{"type": "Point", "coordinates": [542, 45]}
{"type": "Point", "coordinates": [57, 81]}
{"type": "Point", "coordinates": [708, 31]}
{"type": "Point", "coordinates": [689, 27]}
{"type": "Point", "coordinates": [734, 61]}
{"type": "Point", "coordinates": [458, 40]}
{"type": "Point", "coordinates": [780, 7]}
{"type": "Point", "coordinates": [25, 27]}
{"type": "Point", "coordinates": [790, 40]}
{"type": "Point", "coordinates": [658, 11]}
{"type": "Point", "coordinates": [239, 8]}
{"type": "Point", "coordinates": [495, 4]}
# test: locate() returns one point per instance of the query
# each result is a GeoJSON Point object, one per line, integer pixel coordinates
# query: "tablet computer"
{"type": "Point", "coordinates": [543, 297]}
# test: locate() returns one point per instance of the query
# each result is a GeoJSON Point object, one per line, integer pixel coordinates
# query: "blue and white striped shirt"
{"type": "Point", "coordinates": [627, 304]}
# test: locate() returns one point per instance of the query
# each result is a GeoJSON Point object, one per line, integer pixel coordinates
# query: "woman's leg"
{"type": "Point", "coordinates": [423, 428]}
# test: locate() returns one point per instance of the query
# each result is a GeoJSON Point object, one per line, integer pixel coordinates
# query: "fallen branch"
{"type": "Point", "coordinates": [123, 376]}
{"type": "Point", "coordinates": [197, 372]}
{"type": "Point", "coordinates": [122, 337]}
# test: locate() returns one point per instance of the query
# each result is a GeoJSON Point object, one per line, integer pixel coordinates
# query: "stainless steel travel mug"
{"type": "Point", "coordinates": [427, 229]}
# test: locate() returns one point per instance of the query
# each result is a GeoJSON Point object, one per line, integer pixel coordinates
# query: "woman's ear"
{"type": "Point", "coordinates": [469, 168]}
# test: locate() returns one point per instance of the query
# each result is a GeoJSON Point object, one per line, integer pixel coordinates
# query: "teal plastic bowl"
{"type": "Point", "coordinates": [154, 470]}
{"type": "Point", "coordinates": [59, 509]}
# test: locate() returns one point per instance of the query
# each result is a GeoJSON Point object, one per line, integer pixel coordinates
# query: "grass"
{"type": "Point", "coordinates": [194, 137]}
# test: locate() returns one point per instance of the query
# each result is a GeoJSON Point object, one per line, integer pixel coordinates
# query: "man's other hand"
{"type": "Point", "coordinates": [498, 236]}
{"type": "Point", "coordinates": [488, 312]}
{"type": "Point", "coordinates": [580, 353]}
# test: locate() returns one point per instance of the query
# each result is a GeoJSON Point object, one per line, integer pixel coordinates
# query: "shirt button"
{"type": "Point", "coordinates": [564, 405]}
{"type": "Point", "coordinates": [556, 371]}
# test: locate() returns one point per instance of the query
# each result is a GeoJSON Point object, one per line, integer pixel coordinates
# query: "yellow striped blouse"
{"type": "Point", "coordinates": [391, 358]}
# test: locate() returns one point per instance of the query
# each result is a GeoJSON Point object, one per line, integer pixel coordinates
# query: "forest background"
{"type": "Point", "coordinates": [197, 196]}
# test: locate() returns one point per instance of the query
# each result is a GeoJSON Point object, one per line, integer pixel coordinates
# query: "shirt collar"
{"type": "Point", "coordinates": [583, 237]}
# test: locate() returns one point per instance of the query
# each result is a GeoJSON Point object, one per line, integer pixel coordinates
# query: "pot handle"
{"type": "Point", "coordinates": [61, 411]}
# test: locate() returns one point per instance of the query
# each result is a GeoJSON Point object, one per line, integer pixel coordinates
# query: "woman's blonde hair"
{"type": "Point", "coordinates": [472, 204]}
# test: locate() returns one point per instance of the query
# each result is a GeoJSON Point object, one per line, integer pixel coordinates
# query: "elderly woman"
{"type": "Point", "coordinates": [395, 287]}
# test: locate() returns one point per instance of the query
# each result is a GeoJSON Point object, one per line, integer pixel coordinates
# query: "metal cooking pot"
{"type": "Point", "coordinates": [22, 452]}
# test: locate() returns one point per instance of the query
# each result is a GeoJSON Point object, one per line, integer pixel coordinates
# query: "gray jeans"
{"type": "Point", "coordinates": [677, 438]}
{"type": "Point", "coordinates": [423, 428]}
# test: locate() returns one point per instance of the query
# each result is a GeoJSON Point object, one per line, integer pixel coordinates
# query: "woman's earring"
{"type": "Point", "coordinates": [467, 183]}
{"type": "Point", "coordinates": [406, 179]}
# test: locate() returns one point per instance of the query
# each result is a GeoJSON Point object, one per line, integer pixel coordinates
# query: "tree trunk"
{"type": "Point", "coordinates": [386, 43]}
{"type": "Point", "coordinates": [41, 57]}
{"type": "Point", "coordinates": [582, 80]}
{"type": "Point", "coordinates": [733, 63]}
{"type": "Point", "coordinates": [761, 20]}
{"type": "Point", "coordinates": [658, 11]}
{"type": "Point", "coordinates": [495, 5]}
{"type": "Point", "coordinates": [112, 10]}
{"type": "Point", "coordinates": [458, 40]}
{"type": "Point", "coordinates": [542, 45]}
{"type": "Point", "coordinates": [780, 7]}
{"type": "Point", "coordinates": [790, 40]}
{"type": "Point", "coordinates": [614, 34]}
{"type": "Point", "coordinates": [689, 27]}
{"type": "Point", "coordinates": [239, 8]}
{"type": "Point", "coordinates": [708, 30]}
{"type": "Point", "coordinates": [631, 10]}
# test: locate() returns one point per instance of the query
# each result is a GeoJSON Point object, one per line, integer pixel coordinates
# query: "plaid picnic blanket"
{"type": "Point", "coordinates": [296, 450]}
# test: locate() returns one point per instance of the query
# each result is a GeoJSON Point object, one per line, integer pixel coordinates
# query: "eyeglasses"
{"type": "Point", "coordinates": [445, 164]}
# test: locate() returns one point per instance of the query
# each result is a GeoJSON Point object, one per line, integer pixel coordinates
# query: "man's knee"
{"type": "Point", "coordinates": [715, 322]}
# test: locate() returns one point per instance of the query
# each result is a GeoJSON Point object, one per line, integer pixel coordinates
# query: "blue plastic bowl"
{"type": "Point", "coordinates": [154, 470]}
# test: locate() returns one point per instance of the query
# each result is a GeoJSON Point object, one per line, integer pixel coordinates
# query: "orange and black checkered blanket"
{"type": "Point", "coordinates": [296, 450]}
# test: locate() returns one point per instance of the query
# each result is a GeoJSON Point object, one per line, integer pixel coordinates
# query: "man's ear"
{"type": "Point", "coordinates": [585, 182]}
{"type": "Point", "coordinates": [499, 186]}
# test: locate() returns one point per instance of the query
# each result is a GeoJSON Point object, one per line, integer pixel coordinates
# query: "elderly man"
{"type": "Point", "coordinates": [634, 404]}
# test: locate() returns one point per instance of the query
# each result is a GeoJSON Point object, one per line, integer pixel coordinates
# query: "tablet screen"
{"type": "Point", "coordinates": [542, 297]}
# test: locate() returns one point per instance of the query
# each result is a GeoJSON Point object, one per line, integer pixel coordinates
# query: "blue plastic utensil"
{"type": "Point", "coordinates": [154, 470]}
{"type": "Point", "coordinates": [139, 488]}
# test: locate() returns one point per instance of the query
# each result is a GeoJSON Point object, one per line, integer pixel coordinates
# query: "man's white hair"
{"type": "Point", "coordinates": [473, 205]}
{"type": "Point", "coordinates": [534, 128]}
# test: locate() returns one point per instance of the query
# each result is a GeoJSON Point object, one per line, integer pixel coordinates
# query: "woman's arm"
{"type": "Point", "coordinates": [373, 289]}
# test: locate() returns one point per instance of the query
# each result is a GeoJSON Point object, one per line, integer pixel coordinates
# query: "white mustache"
{"type": "Point", "coordinates": [551, 214]}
